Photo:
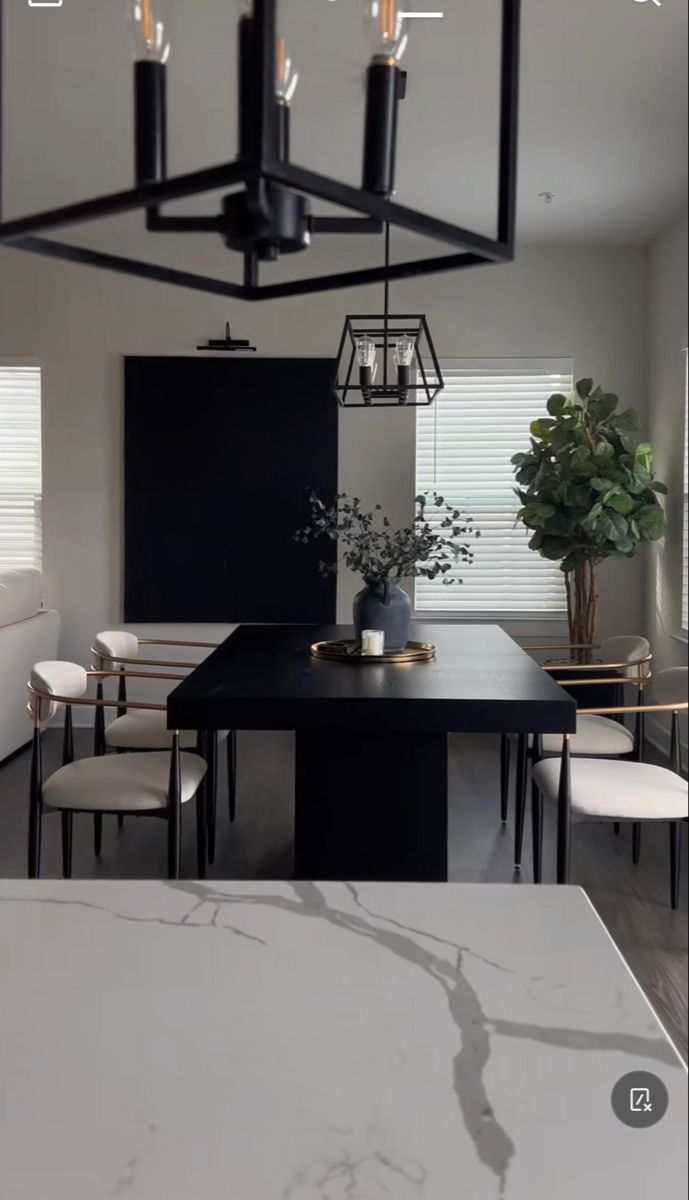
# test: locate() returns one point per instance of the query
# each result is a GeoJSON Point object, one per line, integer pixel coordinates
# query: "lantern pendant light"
{"type": "Point", "coordinates": [387, 360]}
{"type": "Point", "coordinates": [266, 210]}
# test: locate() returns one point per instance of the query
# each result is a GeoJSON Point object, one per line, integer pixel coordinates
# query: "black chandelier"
{"type": "Point", "coordinates": [384, 360]}
{"type": "Point", "coordinates": [266, 212]}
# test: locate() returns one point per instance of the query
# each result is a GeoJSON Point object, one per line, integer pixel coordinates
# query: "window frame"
{"type": "Point", "coordinates": [31, 361]}
{"type": "Point", "coordinates": [554, 619]}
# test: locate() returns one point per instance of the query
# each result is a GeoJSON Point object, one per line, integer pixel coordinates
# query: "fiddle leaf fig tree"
{"type": "Point", "coordinates": [588, 493]}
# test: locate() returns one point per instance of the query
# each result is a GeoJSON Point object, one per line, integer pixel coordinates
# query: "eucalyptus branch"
{"type": "Point", "coordinates": [369, 546]}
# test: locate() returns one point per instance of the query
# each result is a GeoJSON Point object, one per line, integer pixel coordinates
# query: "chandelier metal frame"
{"type": "Point", "coordinates": [261, 168]}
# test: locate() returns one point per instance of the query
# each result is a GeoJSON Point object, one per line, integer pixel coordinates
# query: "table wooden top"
{"type": "Point", "coordinates": [264, 677]}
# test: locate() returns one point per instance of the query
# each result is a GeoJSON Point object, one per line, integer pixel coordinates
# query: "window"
{"type": "Point", "coordinates": [685, 547]}
{"type": "Point", "coordinates": [464, 446]}
{"type": "Point", "coordinates": [20, 466]}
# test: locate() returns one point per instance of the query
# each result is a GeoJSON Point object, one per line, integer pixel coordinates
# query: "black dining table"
{"type": "Point", "coordinates": [371, 763]}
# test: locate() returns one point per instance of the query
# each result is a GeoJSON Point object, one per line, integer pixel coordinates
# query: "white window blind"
{"type": "Point", "coordinates": [20, 466]}
{"type": "Point", "coordinates": [464, 446]}
{"type": "Point", "coordinates": [685, 539]}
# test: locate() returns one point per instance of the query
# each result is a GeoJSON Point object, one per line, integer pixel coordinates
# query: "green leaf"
{"type": "Point", "coordinates": [558, 525]}
{"type": "Point", "coordinates": [620, 525]}
{"type": "Point", "coordinates": [599, 484]}
{"type": "Point", "coordinates": [557, 404]}
{"type": "Point", "coordinates": [604, 528]}
{"type": "Point", "coordinates": [626, 422]}
{"type": "Point", "coordinates": [582, 462]}
{"type": "Point", "coordinates": [584, 388]}
{"type": "Point", "coordinates": [643, 456]}
{"type": "Point", "coordinates": [554, 548]}
{"type": "Point", "coordinates": [621, 503]}
{"type": "Point", "coordinates": [541, 429]}
{"type": "Point", "coordinates": [650, 522]}
{"type": "Point", "coordinates": [603, 452]}
{"type": "Point", "coordinates": [603, 407]}
{"type": "Point", "coordinates": [656, 486]}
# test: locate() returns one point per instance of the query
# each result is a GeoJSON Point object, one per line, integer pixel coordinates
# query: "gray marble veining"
{"type": "Point", "coordinates": [257, 1041]}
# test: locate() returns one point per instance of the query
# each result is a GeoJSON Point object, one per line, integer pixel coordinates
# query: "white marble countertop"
{"type": "Point", "coordinates": [258, 1041]}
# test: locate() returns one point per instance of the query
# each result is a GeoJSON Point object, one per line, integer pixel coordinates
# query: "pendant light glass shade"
{"type": "Point", "coordinates": [150, 42]}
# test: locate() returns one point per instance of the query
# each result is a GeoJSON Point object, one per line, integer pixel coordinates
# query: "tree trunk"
{"type": "Point", "coordinates": [582, 611]}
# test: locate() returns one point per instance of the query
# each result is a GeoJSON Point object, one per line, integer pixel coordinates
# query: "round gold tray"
{"type": "Point", "coordinates": [349, 651]}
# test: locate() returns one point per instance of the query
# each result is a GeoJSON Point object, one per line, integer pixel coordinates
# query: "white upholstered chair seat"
{"type": "Point", "coordinates": [606, 789]}
{"type": "Point", "coordinates": [594, 735]}
{"type": "Point", "coordinates": [146, 729]}
{"type": "Point", "coordinates": [121, 782]}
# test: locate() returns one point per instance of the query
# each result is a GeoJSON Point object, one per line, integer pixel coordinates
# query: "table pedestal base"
{"type": "Point", "coordinates": [371, 807]}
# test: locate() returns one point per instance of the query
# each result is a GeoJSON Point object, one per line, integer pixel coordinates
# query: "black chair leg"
{"type": "Point", "coordinates": [617, 827]}
{"type": "Point", "coordinates": [120, 820]}
{"type": "Point", "coordinates": [174, 843]}
{"type": "Point", "coordinates": [35, 821]}
{"type": "Point", "coordinates": [211, 791]}
{"type": "Point", "coordinates": [522, 751]}
{"type": "Point", "coordinates": [67, 829]}
{"type": "Point", "coordinates": [537, 832]}
{"type": "Point", "coordinates": [505, 755]}
{"type": "Point", "coordinates": [174, 817]}
{"type": "Point", "coordinates": [675, 861]}
{"type": "Point", "coordinates": [232, 773]}
{"type": "Point", "coordinates": [201, 834]}
{"type": "Point", "coordinates": [636, 842]}
{"type": "Point", "coordinates": [98, 834]}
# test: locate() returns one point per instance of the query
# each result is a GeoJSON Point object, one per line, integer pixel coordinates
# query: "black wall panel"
{"type": "Point", "coordinates": [218, 456]}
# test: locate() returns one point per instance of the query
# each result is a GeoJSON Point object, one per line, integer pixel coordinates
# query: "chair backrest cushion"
{"type": "Point", "coordinates": [625, 648]}
{"type": "Point", "coordinates": [21, 594]}
{"type": "Point", "coordinates": [58, 679]}
{"type": "Point", "coordinates": [116, 644]}
{"type": "Point", "coordinates": [670, 686]}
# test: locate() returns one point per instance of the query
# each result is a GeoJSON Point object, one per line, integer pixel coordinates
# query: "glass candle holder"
{"type": "Point", "coordinates": [373, 643]}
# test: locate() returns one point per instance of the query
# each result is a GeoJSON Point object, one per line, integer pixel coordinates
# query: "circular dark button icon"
{"type": "Point", "coordinates": [640, 1099]}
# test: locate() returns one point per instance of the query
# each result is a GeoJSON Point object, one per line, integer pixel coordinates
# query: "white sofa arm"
{"type": "Point", "coordinates": [21, 645]}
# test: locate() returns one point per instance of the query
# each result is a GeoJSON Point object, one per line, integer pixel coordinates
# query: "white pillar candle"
{"type": "Point", "coordinates": [373, 643]}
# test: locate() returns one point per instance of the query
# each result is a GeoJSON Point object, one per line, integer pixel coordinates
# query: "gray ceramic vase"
{"type": "Point", "coordinates": [382, 604]}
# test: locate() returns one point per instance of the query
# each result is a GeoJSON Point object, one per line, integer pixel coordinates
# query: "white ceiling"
{"type": "Point", "coordinates": [603, 110]}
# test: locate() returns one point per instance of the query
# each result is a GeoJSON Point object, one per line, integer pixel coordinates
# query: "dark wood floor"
{"type": "Point", "coordinates": [632, 901]}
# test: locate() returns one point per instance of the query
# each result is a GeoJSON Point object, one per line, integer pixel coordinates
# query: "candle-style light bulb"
{"type": "Point", "coordinates": [366, 352]}
{"type": "Point", "coordinates": [286, 78]}
{"type": "Point", "coordinates": [368, 366]}
{"type": "Point", "coordinates": [404, 357]}
{"type": "Point", "coordinates": [149, 35]}
{"type": "Point", "coordinates": [404, 351]}
{"type": "Point", "coordinates": [387, 29]}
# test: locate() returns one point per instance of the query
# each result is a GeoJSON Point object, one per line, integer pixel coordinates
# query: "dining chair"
{"type": "Point", "coordinates": [594, 738]}
{"type": "Point", "coordinates": [156, 783]}
{"type": "Point", "coordinates": [614, 790]}
{"type": "Point", "coordinates": [146, 731]}
{"type": "Point", "coordinates": [506, 738]}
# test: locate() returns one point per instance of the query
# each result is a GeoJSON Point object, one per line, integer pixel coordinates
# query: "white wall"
{"type": "Point", "coordinates": [669, 336]}
{"type": "Point", "coordinates": [588, 303]}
